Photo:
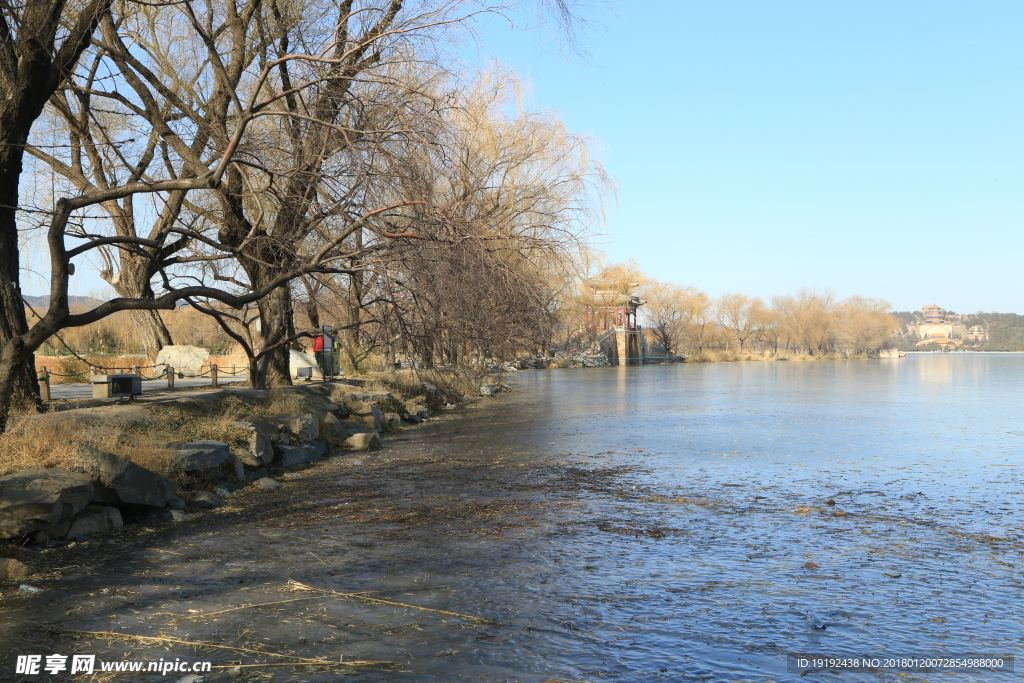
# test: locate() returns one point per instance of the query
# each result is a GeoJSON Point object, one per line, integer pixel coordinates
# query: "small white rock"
{"type": "Point", "coordinates": [25, 588]}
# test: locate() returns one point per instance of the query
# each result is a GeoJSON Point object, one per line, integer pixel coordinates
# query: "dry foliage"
{"type": "Point", "coordinates": [42, 442]}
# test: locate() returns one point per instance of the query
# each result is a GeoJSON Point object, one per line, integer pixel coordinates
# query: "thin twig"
{"type": "Point", "coordinates": [233, 609]}
{"type": "Point", "coordinates": [357, 596]}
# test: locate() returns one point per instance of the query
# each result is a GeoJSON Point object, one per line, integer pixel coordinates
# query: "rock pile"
{"type": "Point", "coordinates": [102, 491]}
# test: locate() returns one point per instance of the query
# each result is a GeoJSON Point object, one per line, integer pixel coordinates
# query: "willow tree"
{"type": "Point", "coordinates": [498, 207]}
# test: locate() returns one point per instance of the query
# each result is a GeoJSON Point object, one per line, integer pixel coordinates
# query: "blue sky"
{"type": "Point", "coordinates": [871, 148]}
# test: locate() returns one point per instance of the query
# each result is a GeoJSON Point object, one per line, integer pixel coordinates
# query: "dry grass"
{"type": "Point", "coordinates": [52, 440]}
{"type": "Point", "coordinates": [141, 433]}
{"type": "Point", "coordinates": [36, 442]}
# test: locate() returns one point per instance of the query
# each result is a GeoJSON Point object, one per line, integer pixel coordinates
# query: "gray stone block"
{"type": "Point", "coordinates": [200, 455]}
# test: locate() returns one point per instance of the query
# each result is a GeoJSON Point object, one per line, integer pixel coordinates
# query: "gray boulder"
{"type": "Point", "coordinates": [265, 426]}
{"type": "Point", "coordinates": [94, 519]}
{"type": "Point", "coordinates": [333, 428]}
{"type": "Point", "coordinates": [176, 503]}
{"type": "Point", "coordinates": [42, 502]}
{"type": "Point", "coordinates": [297, 455]}
{"type": "Point", "coordinates": [298, 359]}
{"type": "Point", "coordinates": [365, 441]}
{"type": "Point", "coordinates": [304, 428]}
{"type": "Point", "coordinates": [238, 466]}
{"type": "Point", "coordinates": [487, 390]}
{"type": "Point", "coordinates": [204, 500]}
{"type": "Point", "coordinates": [118, 481]}
{"type": "Point", "coordinates": [261, 446]}
{"type": "Point", "coordinates": [187, 359]}
{"type": "Point", "coordinates": [13, 569]}
{"type": "Point", "coordinates": [262, 435]}
{"type": "Point", "coordinates": [366, 415]}
{"type": "Point", "coordinates": [268, 484]}
{"type": "Point", "coordinates": [200, 455]}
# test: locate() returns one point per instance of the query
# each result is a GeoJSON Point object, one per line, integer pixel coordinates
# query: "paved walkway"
{"type": "Point", "coordinates": [78, 391]}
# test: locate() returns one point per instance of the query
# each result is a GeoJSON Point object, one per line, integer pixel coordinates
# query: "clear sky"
{"type": "Point", "coordinates": [868, 147]}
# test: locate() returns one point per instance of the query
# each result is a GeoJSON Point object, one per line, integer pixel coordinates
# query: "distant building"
{"type": "Point", "coordinates": [938, 327]}
{"type": "Point", "coordinates": [611, 316]}
{"type": "Point", "coordinates": [933, 314]}
{"type": "Point", "coordinates": [977, 333]}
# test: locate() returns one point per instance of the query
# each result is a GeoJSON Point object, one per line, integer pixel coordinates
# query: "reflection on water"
{"type": "Point", "coordinates": [880, 498]}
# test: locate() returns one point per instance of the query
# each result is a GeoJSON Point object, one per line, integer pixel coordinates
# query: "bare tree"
{"type": "Point", "coordinates": [40, 42]}
{"type": "Point", "coordinates": [668, 310]}
{"type": "Point", "coordinates": [200, 171]}
{"type": "Point", "coordinates": [741, 315]}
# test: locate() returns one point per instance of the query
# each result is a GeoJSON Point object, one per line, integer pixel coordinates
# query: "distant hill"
{"type": "Point", "coordinates": [1005, 331]}
{"type": "Point", "coordinates": [44, 301]}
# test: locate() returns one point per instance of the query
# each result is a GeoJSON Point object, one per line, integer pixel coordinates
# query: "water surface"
{"type": "Point", "coordinates": [700, 572]}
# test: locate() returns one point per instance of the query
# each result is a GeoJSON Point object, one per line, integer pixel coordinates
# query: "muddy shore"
{"type": "Point", "coordinates": [376, 524]}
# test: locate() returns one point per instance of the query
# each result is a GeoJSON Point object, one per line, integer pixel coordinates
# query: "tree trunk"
{"type": "Point", "coordinates": [277, 322]}
{"type": "Point", "coordinates": [133, 281]}
{"type": "Point", "coordinates": [18, 382]}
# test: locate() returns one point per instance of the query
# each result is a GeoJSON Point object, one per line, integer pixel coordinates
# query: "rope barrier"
{"type": "Point", "coordinates": [163, 372]}
{"type": "Point", "coordinates": [77, 374]}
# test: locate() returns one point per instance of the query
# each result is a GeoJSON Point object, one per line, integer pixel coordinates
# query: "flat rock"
{"type": "Point", "coordinates": [366, 441]}
{"type": "Point", "coordinates": [13, 569]}
{"type": "Point", "coordinates": [94, 519]}
{"type": "Point", "coordinates": [200, 455]}
{"type": "Point", "coordinates": [268, 484]}
{"type": "Point", "coordinates": [204, 500]}
{"type": "Point", "coordinates": [119, 481]}
{"type": "Point", "coordinates": [297, 455]}
{"type": "Point", "coordinates": [42, 501]}
{"type": "Point", "coordinates": [245, 457]}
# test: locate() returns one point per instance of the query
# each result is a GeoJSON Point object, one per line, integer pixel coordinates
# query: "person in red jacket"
{"type": "Point", "coordinates": [318, 351]}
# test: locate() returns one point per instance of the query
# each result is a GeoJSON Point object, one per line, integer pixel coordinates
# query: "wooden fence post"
{"type": "Point", "coordinates": [213, 374]}
{"type": "Point", "coordinates": [44, 377]}
{"type": "Point", "coordinates": [170, 377]}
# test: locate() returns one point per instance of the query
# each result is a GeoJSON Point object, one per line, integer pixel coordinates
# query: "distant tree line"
{"type": "Point", "coordinates": [685, 320]}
